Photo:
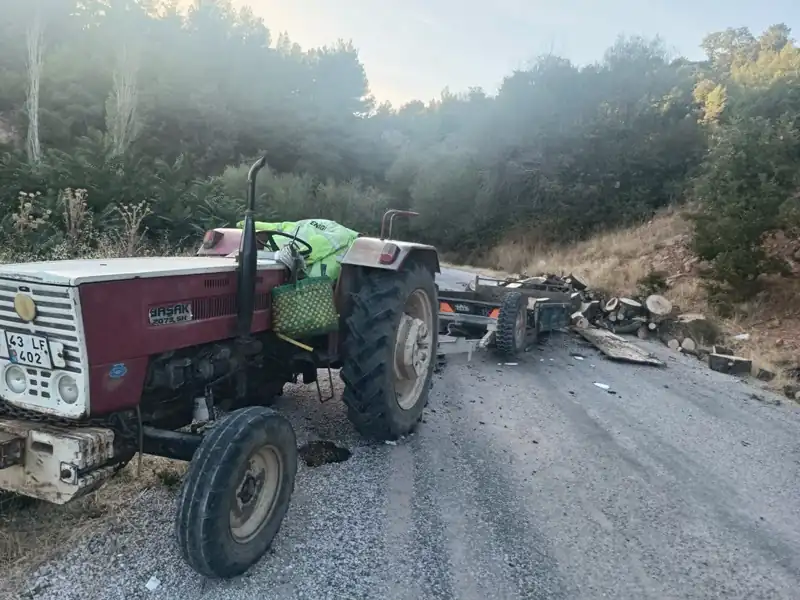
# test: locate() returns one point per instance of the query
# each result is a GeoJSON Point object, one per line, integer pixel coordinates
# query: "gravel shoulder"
{"type": "Point", "coordinates": [523, 481]}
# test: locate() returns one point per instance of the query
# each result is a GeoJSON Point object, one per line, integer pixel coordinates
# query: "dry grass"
{"type": "Point", "coordinates": [615, 262]}
{"type": "Point", "coordinates": [72, 224]}
{"type": "Point", "coordinates": [32, 531]}
{"type": "Point", "coordinates": [772, 320]}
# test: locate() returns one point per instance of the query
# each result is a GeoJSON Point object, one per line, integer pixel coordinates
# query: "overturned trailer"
{"type": "Point", "coordinates": [506, 315]}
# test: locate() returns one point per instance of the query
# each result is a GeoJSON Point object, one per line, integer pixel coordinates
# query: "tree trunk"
{"type": "Point", "coordinates": [121, 115]}
{"type": "Point", "coordinates": [35, 43]}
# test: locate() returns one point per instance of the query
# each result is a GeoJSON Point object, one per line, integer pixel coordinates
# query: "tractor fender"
{"type": "Point", "coordinates": [365, 256]}
{"type": "Point", "coordinates": [367, 252]}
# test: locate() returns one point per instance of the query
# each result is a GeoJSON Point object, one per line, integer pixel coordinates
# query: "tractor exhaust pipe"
{"type": "Point", "coordinates": [248, 255]}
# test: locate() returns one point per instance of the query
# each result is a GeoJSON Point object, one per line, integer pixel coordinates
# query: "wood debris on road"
{"type": "Point", "coordinates": [601, 321]}
{"type": "Point", "coordinates": [617, 348]}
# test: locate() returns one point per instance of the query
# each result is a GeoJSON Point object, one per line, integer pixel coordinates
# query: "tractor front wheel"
{"type": "Point", "coordinates": [236, 492]}
{"type": "Point", "coordinates": [389, 347]}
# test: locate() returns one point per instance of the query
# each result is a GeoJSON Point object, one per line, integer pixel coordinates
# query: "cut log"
{"type": "Point", "coordinates": [689, 317]}
{"type": "Point", "coordinates": [627, 310]}
{"type": "Point", "coordinates": [643, 332]}
{"type": "Point", "coordinates": [688, 345]}
{"type": "Point", "coordinates": [702, 331]}
{"type": "Point", "coordinates": [733, 365]}
{"type": "Point", "coordinates": [591, 310]}
{"type": "Point", "coordinates": [674, 345]}
{"type": "Point", "coordinates": [578, 320]}
{"type": "Point", "coordinates": [631, 304]}
{"type": "Point", "coordinates": [626, 327]}
{"type": "Point", "coordinates": [658, 306]}
{"type": "Point", "coordinates": [576, 283]}
{"type": "Point", "coordinates": [593, 295]}
{"type": "Point", "coordinates": [581, 322]}
{"type": "Point", "coordinates": [612, 317]}
{"type": "Point", "coordinates": [652, 326]}
{"type": "Point", "coordinates": [611, 305]}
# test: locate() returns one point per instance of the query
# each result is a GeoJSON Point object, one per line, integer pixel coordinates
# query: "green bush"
{"type": "Point", "coordinates": [747, 187]}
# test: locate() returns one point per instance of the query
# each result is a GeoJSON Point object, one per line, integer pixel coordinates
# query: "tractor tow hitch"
{"type": "Point", "coordinates": [12, 449]}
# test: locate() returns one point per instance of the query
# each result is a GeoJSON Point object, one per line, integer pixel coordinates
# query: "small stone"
{"type": "Point", "coordinates": [153, 584]}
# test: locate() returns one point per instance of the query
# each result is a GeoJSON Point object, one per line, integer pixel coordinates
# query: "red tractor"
{"type": "Point", "coordinates": [178, 357]}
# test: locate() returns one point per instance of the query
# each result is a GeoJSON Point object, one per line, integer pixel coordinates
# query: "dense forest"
{"type": "Point", "coordinates": [130, 115]}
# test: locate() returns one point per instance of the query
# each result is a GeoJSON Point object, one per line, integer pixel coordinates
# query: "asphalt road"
{"type": "Point", "coordinates": [523, 481]}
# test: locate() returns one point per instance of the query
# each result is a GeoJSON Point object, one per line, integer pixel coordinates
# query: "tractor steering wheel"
{"type": "Point", "coordinates": [273, 246]}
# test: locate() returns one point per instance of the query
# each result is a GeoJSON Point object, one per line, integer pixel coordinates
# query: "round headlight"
{"type": "Point", "coordinates": [68, 389]}
{"type": "Point", "coordinates": [15, 379]}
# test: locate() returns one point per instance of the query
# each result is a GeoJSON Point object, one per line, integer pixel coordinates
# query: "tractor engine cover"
{"type": "Point", "coordinates": [77, 337]}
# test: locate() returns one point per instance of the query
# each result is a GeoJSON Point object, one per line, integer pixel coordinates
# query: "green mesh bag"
{"type": "Point", "coordinates": [304, 308]}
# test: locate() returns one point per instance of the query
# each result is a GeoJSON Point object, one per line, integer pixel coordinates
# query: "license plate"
{"type": "Point", "coordinates": [28, 350]}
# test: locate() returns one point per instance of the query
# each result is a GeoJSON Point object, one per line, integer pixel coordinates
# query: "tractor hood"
{"type": "Point", "coordinates": [77, 272]}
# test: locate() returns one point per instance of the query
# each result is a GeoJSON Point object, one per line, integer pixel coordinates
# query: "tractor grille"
{"type": "Point", "coordinates": [55, 319]}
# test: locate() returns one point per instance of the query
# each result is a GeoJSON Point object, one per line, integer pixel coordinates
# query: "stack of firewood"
{"type": "Point", "coordinates": [642, 316]}
{"type": "Point", "coordinates": [627, 315]}
{"type": "Point", "coordinates": [654, 316]}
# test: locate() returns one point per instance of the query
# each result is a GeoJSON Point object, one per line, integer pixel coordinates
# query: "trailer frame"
{"type": "Point", "coordinates": [489, 314]}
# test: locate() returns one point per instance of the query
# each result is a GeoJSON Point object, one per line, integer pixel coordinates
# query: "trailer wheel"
{"type": "Point", "coordinates": [389, 349]}
{"type": "Point", "coordinates": [236, 492]}
{"type": "Point", "coordinates": [512, 325]}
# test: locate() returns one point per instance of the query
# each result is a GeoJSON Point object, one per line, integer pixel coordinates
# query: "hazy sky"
{"type": "Point", "coordinates": [414, 48]}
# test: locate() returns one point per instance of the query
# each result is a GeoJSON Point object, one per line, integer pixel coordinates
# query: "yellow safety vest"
{"type": "Point", "coordinates": [329, 242]}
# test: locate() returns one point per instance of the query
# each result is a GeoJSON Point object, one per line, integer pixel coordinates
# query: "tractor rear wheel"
{"type": "Point", "coordinates": [389, 347]}
{"type": "Point", "coordinates": [512, 325]}
{"type": "Point", "coordinates": [236, 492]}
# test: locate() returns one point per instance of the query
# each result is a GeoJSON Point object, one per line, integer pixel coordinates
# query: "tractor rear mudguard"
{"type": "Point", "coordinates": [390, 255]}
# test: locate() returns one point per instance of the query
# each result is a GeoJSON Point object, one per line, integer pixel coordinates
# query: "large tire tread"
{"type": "Point", "coordinates": [505, 336]}
{"type": "Point", "coordinates": [203, 540]}
{"type": "Point", "coordinates": [368, 347]}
